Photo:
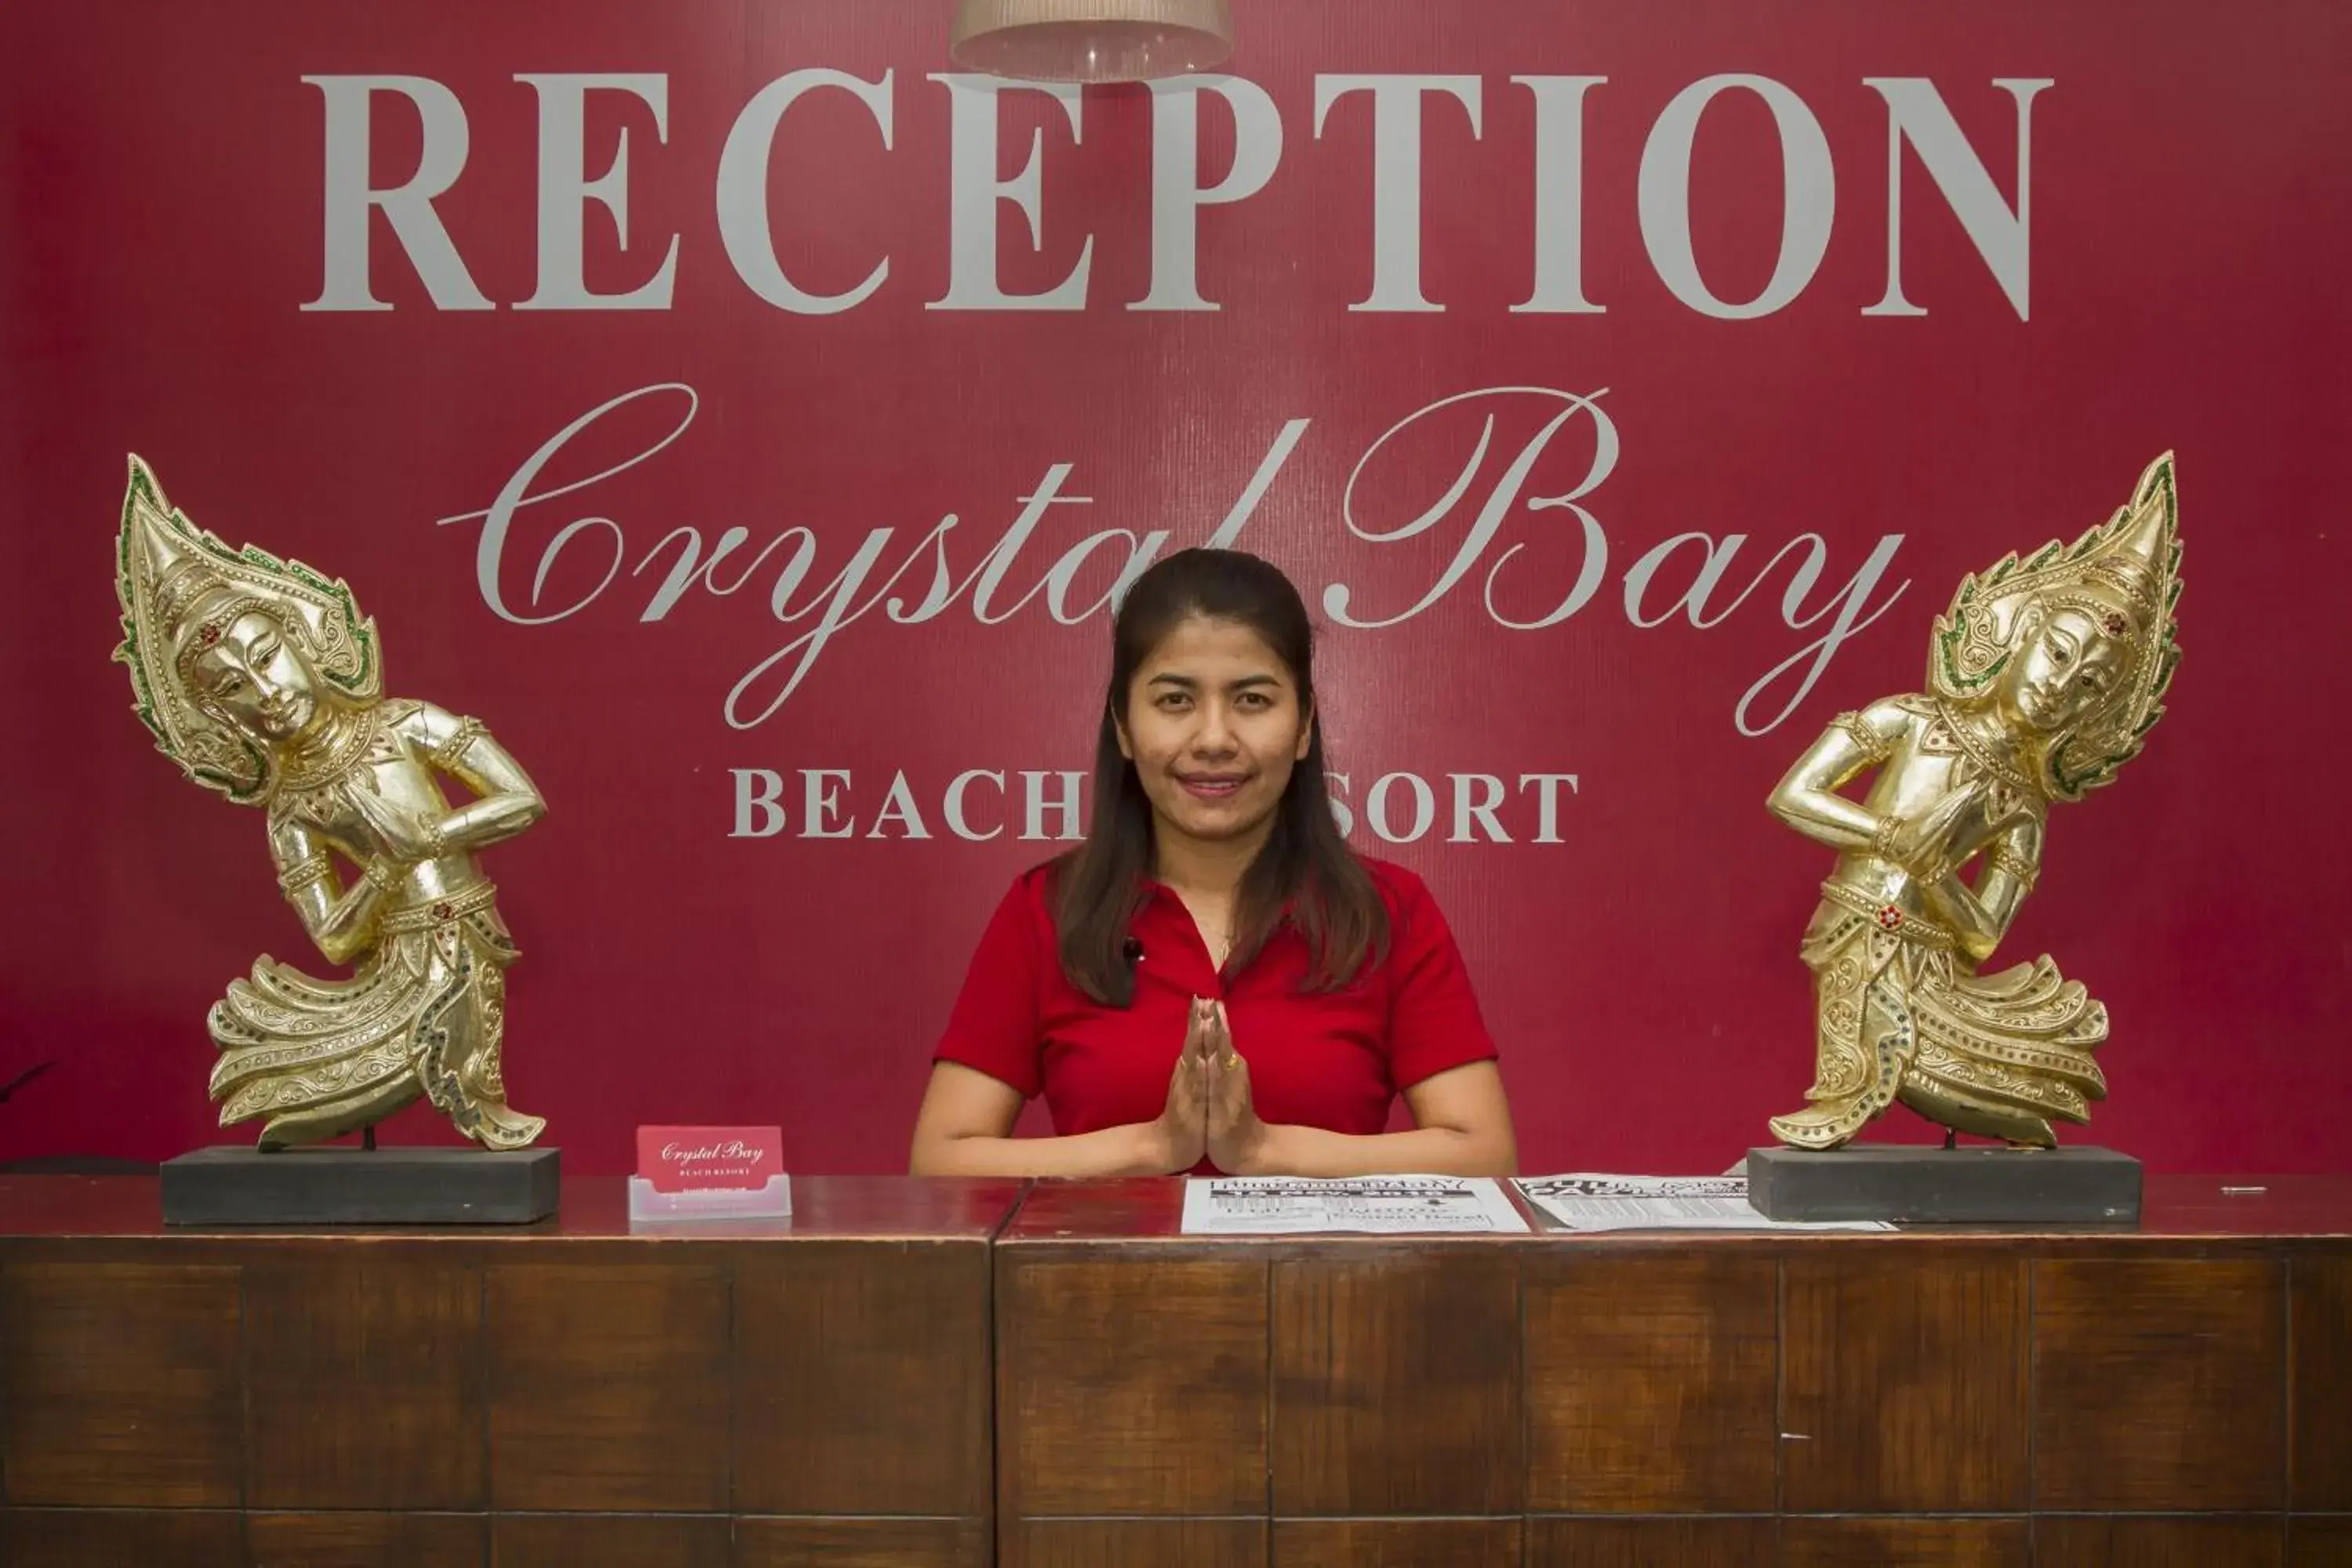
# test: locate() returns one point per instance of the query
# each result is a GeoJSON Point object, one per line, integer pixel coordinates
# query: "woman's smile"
{"type": "Point", "coordinates": [1213, 786]}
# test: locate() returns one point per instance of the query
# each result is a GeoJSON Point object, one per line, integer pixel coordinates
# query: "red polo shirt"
{"type": "Point", "coordinates": [1332, 1060]}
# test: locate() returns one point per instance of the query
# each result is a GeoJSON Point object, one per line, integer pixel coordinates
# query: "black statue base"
{"type": "Point", "coordinates": [1989, 1186]}
{"type": "Point", "coordinates": [330, 1186]}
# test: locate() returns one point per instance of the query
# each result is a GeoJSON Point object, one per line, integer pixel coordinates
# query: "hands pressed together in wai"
{"type": "Point", "coordinates": [1209, 1110]}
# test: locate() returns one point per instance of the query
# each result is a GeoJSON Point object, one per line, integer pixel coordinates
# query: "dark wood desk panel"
{"type": "Point", "coordinates": [570, 1392]}
{"type": "Point", "coordinates": [1963, 1396]}
{"type": "Point", "coordinates": [2161, 1384]}
{"type": "Point", "coordinates": [1850, 1542]}
{"type": "Point", "coordinates": [1904, 1378]}
{"type": "Point", "coordinates": [1395, 1384]}
{"type": "Point", "coordinates": [2320, 1336]}
{"type": "Point", "coordinates": [611, 1381]}
{"type": "Point", "coordinates": [344, 1540]}
{"type": "Point", "coordinates": [891, 1415]}
{"type": "Point", "coordinates": [1114, 1337]}
{"type": "Point", "coordinates": [119, 1380]}
{"type": "Point", "coordinates": [1398, 1544]}
{"type": "Point", "coordinates": [862, 1542]}
{"type": "Point", "coordinates": [1558, 1541]}
{"type": "Point", "coordinates": [364, 1365]}
{"type": "Point", "coordinates": [90, 1537]}
{"type": "Point", "coordinates": [1135, 1542]}
{"type": "Point", "coordinates": [2139, 1541]}
{"type": "Point", "coordinates": [2319, 1541]}
{"type": "Point", "coordinates": [610, 1540]}
{"type": "Point", "coordinates": [1650, 1381]}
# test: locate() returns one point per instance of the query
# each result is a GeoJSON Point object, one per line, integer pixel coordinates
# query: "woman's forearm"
{"type": "Point", "coordinates": [1288, 1149]}
{"type": "Point", "coordinates": [1139, 1150]}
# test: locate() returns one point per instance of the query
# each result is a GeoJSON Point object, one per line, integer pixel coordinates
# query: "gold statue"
{"type": "Point", "coordinates": [2044, 677]}
{"type": "Point", "coordinates": [261, 679]}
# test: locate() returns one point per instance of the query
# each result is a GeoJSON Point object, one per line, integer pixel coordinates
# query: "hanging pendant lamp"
{"type": "Point", "coordinates": [1091, 41]}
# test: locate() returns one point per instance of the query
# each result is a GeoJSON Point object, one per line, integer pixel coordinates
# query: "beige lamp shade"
{"type": "Point", "coordinates": [1091, 41]}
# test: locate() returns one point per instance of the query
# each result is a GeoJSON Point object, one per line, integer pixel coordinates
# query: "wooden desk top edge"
{"type": "Point", "coordinates": [885, 1209]}
{"type": "Point", "coordinates": [2178, 1210]}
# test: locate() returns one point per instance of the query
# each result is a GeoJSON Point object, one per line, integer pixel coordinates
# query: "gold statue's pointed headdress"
{"type": "Point", "coordinates": [180, 587]}
{"type": "Point", "coordinates": [2125, 574]}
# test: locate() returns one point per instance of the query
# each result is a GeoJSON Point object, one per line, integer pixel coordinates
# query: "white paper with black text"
{"type": "Point", "coordinates": [1587, 1201]}
{"type": "Point", "coordinates": [1393, 1205]}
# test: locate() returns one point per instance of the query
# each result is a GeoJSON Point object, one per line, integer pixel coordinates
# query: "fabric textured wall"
{"type": "Point", "coordinates": [1578, 408]}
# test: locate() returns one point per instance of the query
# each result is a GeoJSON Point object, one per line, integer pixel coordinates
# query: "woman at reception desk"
{"type": "Point", "coordinates": [1213, 980]}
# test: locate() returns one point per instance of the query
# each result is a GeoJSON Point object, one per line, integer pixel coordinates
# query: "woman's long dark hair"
{"type": "Point", "coordinates": [1305, 872]}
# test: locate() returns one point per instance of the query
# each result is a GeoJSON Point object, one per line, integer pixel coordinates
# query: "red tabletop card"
{"type": "Point", "coordinates": [709, 1159]}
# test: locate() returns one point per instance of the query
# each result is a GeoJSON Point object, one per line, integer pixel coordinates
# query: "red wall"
{"type": "Point", "coordinates": [166, 278]}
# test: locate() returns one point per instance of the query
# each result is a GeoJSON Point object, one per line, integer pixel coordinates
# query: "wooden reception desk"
{"type": "Point", "coordinates": [821, 1394]}
{"type": "Point", "coordinates": [567, 1396]}
{"type": "Point", "coordinates": [2167, 1396]}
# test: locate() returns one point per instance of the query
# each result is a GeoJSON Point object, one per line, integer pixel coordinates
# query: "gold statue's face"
{"type": "Point", "coordinates": [254, 675]}
{"type": "Point", "coordinates": [2066, 667]}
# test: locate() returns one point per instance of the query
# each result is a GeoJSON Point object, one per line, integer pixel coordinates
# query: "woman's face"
{"type": "Point", "coordinates": [253, 674]}
{"type": "Point", "coordinates": [1214, 723]}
